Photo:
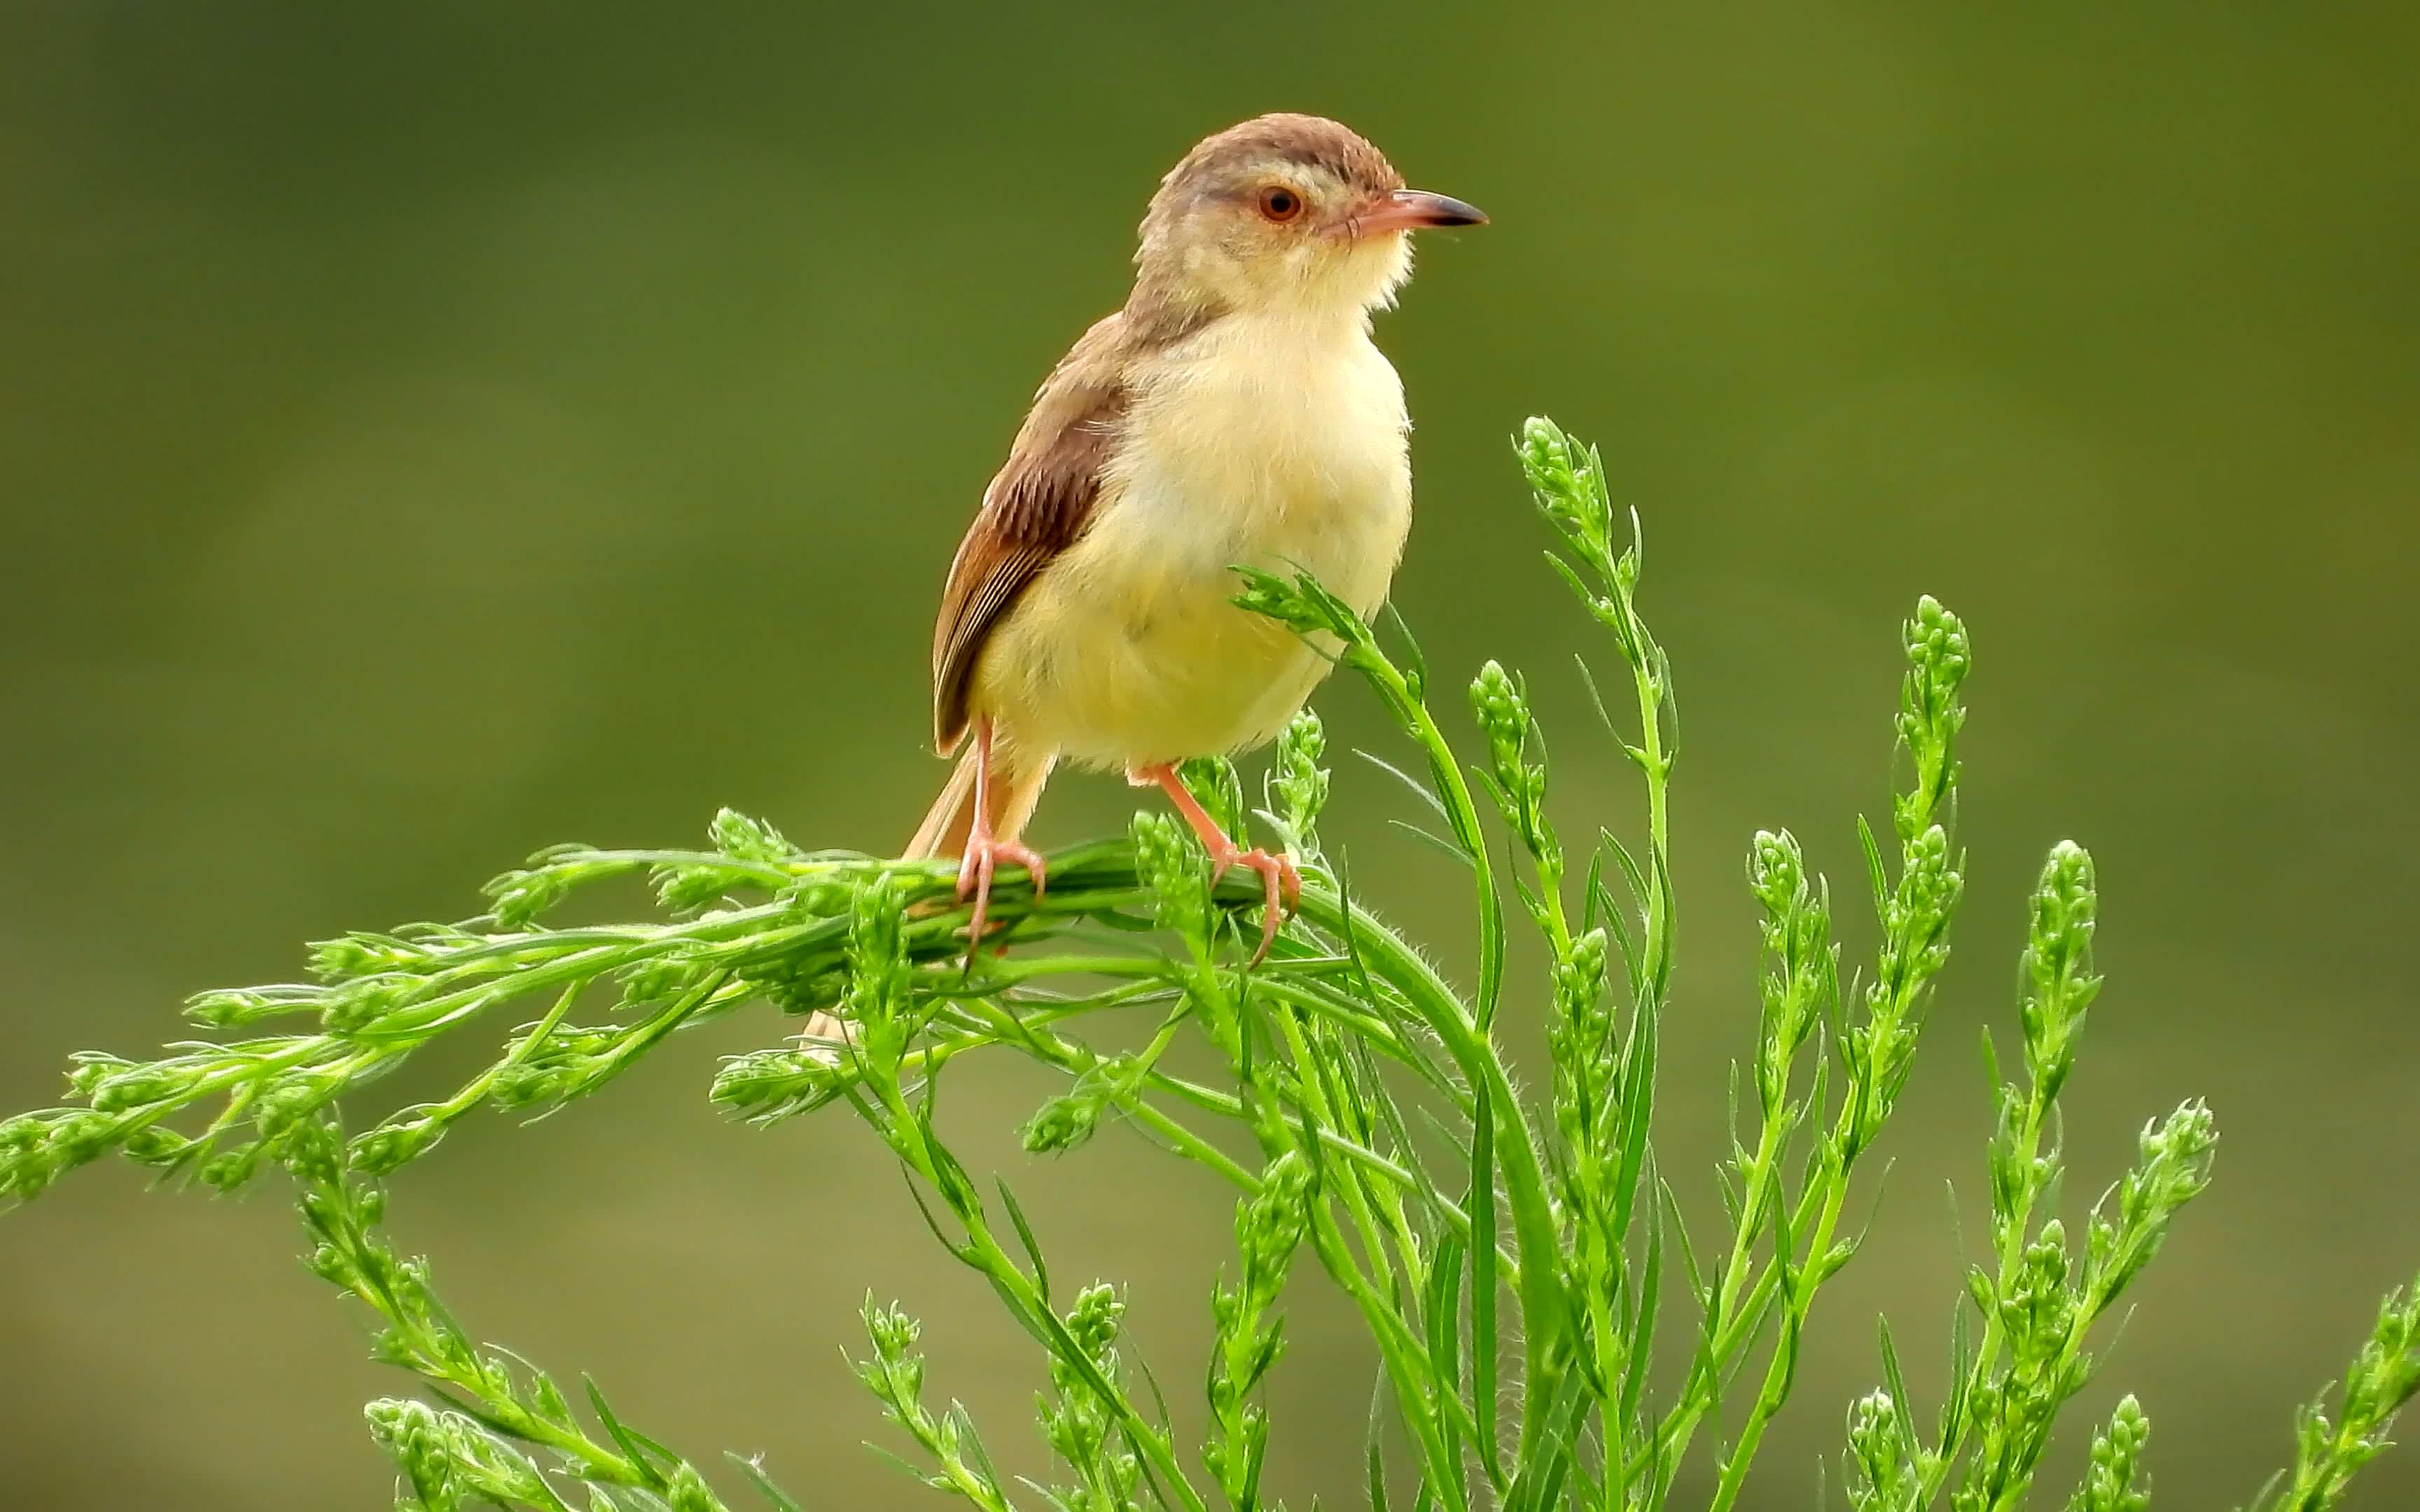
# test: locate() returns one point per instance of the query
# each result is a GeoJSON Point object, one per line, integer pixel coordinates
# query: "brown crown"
{"type": "Point", "coordinates": [1313, 141]}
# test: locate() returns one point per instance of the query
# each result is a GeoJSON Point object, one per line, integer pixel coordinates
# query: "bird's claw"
{"type": "Point", "coordinates": [1280, 888]}
{"type": "Point", "coordinates": [975, 873]}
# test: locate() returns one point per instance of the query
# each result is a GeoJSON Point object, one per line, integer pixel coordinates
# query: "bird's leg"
{"type": "Point", "coordinates": [1280, 883]}
{"type": "Point", "coordinates": [985, 850]}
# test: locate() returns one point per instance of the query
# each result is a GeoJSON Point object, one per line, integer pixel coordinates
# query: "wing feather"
{"type": "Point", "coordinates": [1034, 509]}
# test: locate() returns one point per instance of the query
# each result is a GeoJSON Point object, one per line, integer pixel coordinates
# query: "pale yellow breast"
{"type": "Point", "coordinates": [1261, 441]}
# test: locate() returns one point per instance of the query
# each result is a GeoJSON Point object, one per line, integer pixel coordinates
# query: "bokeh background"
{"type": "Point", "coordinates": [428, 433]}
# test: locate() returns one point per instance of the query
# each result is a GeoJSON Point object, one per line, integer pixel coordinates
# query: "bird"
{"type": "Point", "coordinates": [1232, 413]}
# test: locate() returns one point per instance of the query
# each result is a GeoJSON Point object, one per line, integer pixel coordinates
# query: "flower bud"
{"type": "Point", "coordinates": [1061, 1124]}
{"type": "Point", "coordinates": [89, 1069]}
{"type": "Point", "coordinates": [1300, 781]}
{"type": "Point", "coordinates": [142, 1085]}
{"type": "Point", "coordinates": [517, 898]}
{"type": "Point", "coordinates": [743, 838]}
{"type": "Point", "coordinates": [228, 1008]}
{"type": "Point", "coordinates": [231, 1168]}
{"type": "Point", "coordinates": [155, 1146]}
{"type": "Point", "coordinates": [400, 1139]}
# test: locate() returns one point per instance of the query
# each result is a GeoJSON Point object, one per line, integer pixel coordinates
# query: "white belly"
{"type": "Point", "coordinates": [1258, 443]}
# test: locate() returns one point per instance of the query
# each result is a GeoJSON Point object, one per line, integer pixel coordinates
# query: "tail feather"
{"type": "Point", "coordinates": [950, 820]}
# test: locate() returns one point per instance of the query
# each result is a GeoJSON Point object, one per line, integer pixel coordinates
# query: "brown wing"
{"type": "Point", "coordinates": [1036, 508]}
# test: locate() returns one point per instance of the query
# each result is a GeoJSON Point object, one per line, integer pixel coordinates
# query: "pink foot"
{"type": "Point", "coordinates": [975, 871]}
{"type": "Point", "coordinates": [1280, 883]}
{"type": "Point", "coordinates": [986, 851]}
{"type": "Point", "coordinates": [1281, 886]}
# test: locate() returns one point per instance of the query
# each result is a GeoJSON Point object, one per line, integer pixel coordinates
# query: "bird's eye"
{"type": "Point", "coordinates": [1281, 204]}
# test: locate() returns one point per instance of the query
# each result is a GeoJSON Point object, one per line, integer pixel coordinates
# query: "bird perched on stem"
{"type": "Point", "coordinates": [1234, 413]}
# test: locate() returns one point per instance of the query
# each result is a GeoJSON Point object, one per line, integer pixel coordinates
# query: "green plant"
{"type": "Point", "coordinates": [1519, 1261]}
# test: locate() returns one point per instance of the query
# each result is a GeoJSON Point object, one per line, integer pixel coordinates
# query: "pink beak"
{"type": "Point", "coordinates": [1413, 209]}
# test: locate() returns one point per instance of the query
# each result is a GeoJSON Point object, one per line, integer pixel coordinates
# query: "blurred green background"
{"type": "Point", "coordinates": [428, 433]}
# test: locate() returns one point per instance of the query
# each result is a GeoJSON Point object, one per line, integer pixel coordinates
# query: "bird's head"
{"type": "Point", "coordinates": [1286, 213]}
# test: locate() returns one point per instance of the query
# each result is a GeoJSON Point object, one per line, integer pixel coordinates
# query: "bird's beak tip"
{"type": "Point", "coordinates": [1444, 209]}
{"type": "Point", "coordinates": [1417, 210]}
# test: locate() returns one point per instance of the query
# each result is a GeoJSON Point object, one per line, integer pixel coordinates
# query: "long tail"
{"type": "Point", "coordinates": [952, 816]}
{"type": "Point", "coordinates": [1016, 788]}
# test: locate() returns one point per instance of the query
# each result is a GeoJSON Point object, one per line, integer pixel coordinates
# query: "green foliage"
{"type": "Point", "coordinates": [2385, 1376]}
{"type": "Point", "coordinates": [1519, 1261]}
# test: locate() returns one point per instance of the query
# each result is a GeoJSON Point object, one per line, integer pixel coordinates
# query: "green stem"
{"type": "Point", "coordinates": [1227, 1106]}
{"type": "Point", "coordinates": [1537, 1256]}
{"type": "Point", "coordinates": [476, 1087]}
{"type": "Point", "coordinates": [906, 1134]}
{"type": "Point", "coordinates": [1987, 1353]}
{"type": "Point", "coordinates": [1704, 1386]}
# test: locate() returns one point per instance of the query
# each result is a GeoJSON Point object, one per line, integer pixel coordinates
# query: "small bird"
{"type": "Point", "coordinates": [1232, 413]}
